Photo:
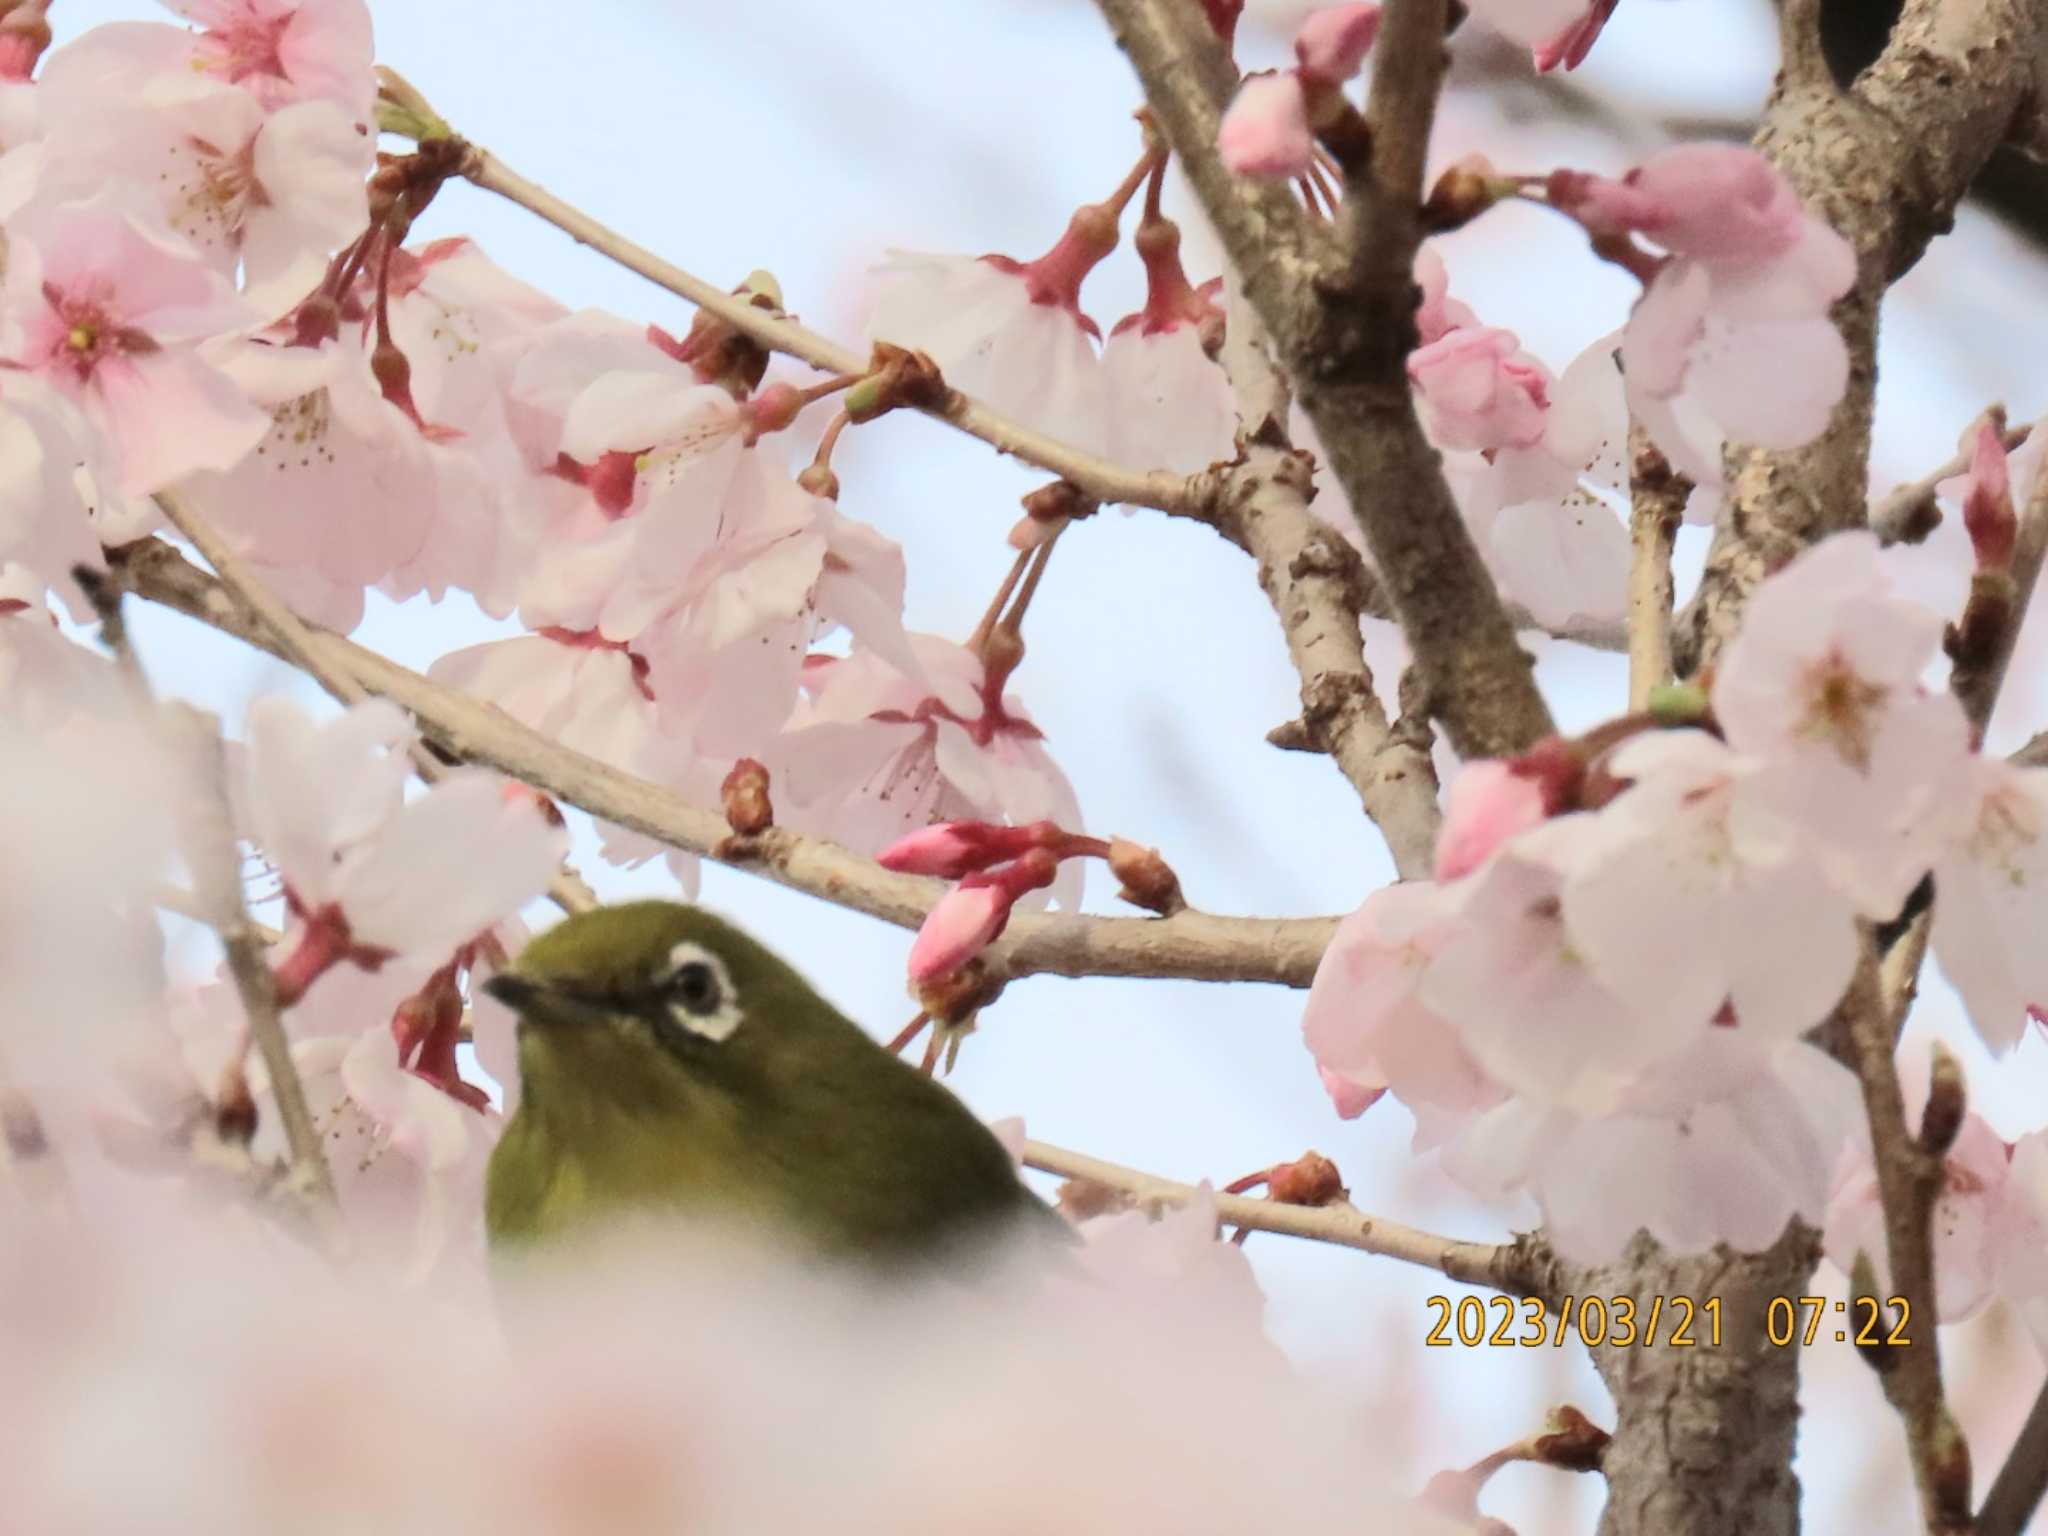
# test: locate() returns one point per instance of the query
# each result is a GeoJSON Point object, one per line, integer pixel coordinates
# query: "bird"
{"type": "Point", "coordinates": [672, 1065]}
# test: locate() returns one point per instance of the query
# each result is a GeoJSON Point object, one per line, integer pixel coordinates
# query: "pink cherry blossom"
{"type": "Point", "coordinates": [1722, 204]}
{"type": "Point", "coordinates": [278, 192]}
{"type": "Point", "coordinates": [1366, 1023]}
{"type": "Point", "coordinates": [1012, 334]}
{"type": "Point", "coordinates": [1511, 980]}
{"type": "Point", "coordinates": [107, 312]}
{"type": "Point", "coordinates": [1822, 685]}
{"type": "Point", "coordinates": [46, 522]}
{"type": "Point", "coordinates": [287, 50]}
{"type": "Point", "coordinates": [1479, 390]}
{"type": "Point", "coordinates": [412, 878]}
{"type": "Point", "coordinates": [1332, 42]}
{"type": "Point", "coordinates": [1989, 915]}
{"type": "Point", "coordinates": [1486, 804]}
{"type": "Point", "coordinates": [1171, 404]}
{"type": "Point", "coordinates": [1265, 131]}
{"type": "Point", "coordinates": [1684, 903]}
{"type": "Point", "coordinates": [1724, 1142]}
{"type": "Point", "coordinates": [1555, 31]}
{"type": "Point", "coordinates": [877, 752]}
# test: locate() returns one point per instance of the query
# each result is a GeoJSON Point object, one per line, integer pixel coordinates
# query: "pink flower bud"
{"type": "Point", "coordinates": [970, 917]}
{"type": "Point", "coordinates": [1986, 492]}
{"type": "Point", "coordinates": [952, 849]}
{"type": "Point", "coordinates": [1333, 42]}
{"type": "Point", "coordinates": [1486, 806]}
{"type": "Point", "coordinates": [1265, 131]}
{"type": "Point", "coordinates": [1479, 390]}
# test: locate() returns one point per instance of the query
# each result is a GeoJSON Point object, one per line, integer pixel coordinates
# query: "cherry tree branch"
{"type": "Point", "coordinates": [1501, 1267]}
{"type": "Point", "coordinates": [1314, 581]}
{"type": "Point", "coordinates": [1657, 495]}
{"type": "Point", "coordinates": [1097, 477]}
{"type": "Point", "coordinates": [1911, 1175]}
{"type": "Point", "coordinates": [1885, 163]}
{"type": "Point", "coordinates": [296, 643]}
{"type": "Point", "coordinates": [2016, 1491]}
{"type": "Point", "coordinates": [1344, 324]}
{"type": "Point", "coordinates": [1189, 945]}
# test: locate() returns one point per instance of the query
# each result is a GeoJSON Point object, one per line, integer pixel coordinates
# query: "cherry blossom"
{"type": "Point", "coordinates": [47, 523]}
{"type": "Point", "coordinates": [1265, 131]}
{"type": "Point", "coordinates": [286, 50]}
{"type": "Point", "coordinates": [106, 311]}
{"type": "Point", "coordinates": [1687, 899]}
{"type": "Point", "coordinates": [1991, 882]}
{"type": "Point", "coordinates": [1822, 685]}
{"type": "Point", "coordinates": [1724, 1142]}
{"type": "Point", "coordinates": [1366, 1022]}
{"type": "Point", "coordinates": [1171, 405]}
{"type": "Point", "coordinates": [1007, 332]}
{"type": "Point", "coordinates": [876, 751]}
{"type": "Point", "coordinates": [1479, 390]}
{"type": "Point", "coordinates": [1731, 340]}
{"type": "Point", "coordinates": [325, 801]}
{"type": "Point", "coordinates": [278, 191]}
{"type": "Point", "coordinates": [1331, 43]}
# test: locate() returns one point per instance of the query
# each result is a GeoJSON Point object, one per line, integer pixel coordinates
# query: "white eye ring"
{"type": "Point", "coordinates": [701, 997]}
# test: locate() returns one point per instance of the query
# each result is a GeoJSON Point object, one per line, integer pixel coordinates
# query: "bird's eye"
{"type": "Point", "coordinates": [699, 993]}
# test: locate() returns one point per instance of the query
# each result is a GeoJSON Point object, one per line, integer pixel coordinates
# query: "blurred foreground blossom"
{"type": "Point", "coordinates": [697, 1388]}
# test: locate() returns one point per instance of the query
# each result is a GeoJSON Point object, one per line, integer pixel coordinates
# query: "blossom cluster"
{"type": "Point", "coordinates": [1606, 997]}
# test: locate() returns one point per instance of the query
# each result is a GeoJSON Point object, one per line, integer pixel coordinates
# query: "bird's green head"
{"type": "Point", "coordinates": [629, 996]}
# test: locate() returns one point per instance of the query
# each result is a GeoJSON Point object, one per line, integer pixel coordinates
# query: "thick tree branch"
{"type": "Point", "coordinates": [1191, 944]}
{"type": "Point", "coordinates": [1885, 163]}
{"type": "Point", "coordinates": [2016, 1491]}
{"type": "Point", "coordinates": [1098, 477]}
{"type": "Point", "coordinates": [1500, 1267]}
{"type": "Point", "coordinates": [1344, 329]}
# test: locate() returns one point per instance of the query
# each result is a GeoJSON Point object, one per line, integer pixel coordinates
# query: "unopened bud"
{"type": "Point", "coordinates": [1148, 881]}
{"type": "Point", "coordinates": [744, 795]}
{"type": "Point", "coordinates": [1462, 193]}
{"type": "Point", "coordinates": [1947, 1101]}
{"type": "Point", "coordinates": [1311, 1179]}
{"type": "Point", "coordinates": [234, 1108]}
{"type": "Point", "coordinates": [1988, 512]}
{"type": "Point", "coordinates": [1948, 1471]}
{"type": "Point", "coordinates": [1571, 1441]}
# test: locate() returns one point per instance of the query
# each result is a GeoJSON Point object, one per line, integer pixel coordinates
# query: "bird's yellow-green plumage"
{"type": "Point", "coordinates": [669, 1063]}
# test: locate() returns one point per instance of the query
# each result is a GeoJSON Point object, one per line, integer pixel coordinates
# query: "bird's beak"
{"type": "Point", "coordinates": [515, 992]}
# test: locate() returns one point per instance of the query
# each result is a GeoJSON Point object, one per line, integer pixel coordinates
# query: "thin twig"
{"type": "Point", "coordinates": [2016, 1491]}
{"type": "Point", "coordinates": [1098, 477]}
{"type": "Point", "coordinates": [1190, 944]}
{"type": "Point", "coordinates": [1499, 1266]}
{"type": "Point", "coordinates": [1657, 495]}
{"type": "Point", "coordinates": [298, 645]}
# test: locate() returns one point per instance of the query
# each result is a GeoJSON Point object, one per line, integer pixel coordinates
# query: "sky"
{"type": "Point", "coordinates": [807, 136]}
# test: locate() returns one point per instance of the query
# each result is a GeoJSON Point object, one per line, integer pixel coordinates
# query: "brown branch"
{"type": "Point", "coordinates": [1885, 163]}
{"type": "Point", "coordinates": [1097, 477]}
{"type": "Point", "coordinates": [1657, 507]}
{"type": "Point", "coordinates": [1316, 584]}
{"type": "Point", "coordinates": [296, 644]}
{"type": "Point", "coordinates": [1911, 1175]}
{"type": "Point", "coordinates": [2016, 1491]}
{"type": "Point", "coordinates": [1344, 336]}
{"type": "Point", "coordinates": [1195, 945]}
{"type": "Point", "coordinates": [1501, 1267]}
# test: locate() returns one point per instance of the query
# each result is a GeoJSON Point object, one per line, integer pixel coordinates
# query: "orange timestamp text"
{"type": "Point", "coordinates": [1876, 1323]}
{"type": "Point", "coordinates": [1677, 1321]}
